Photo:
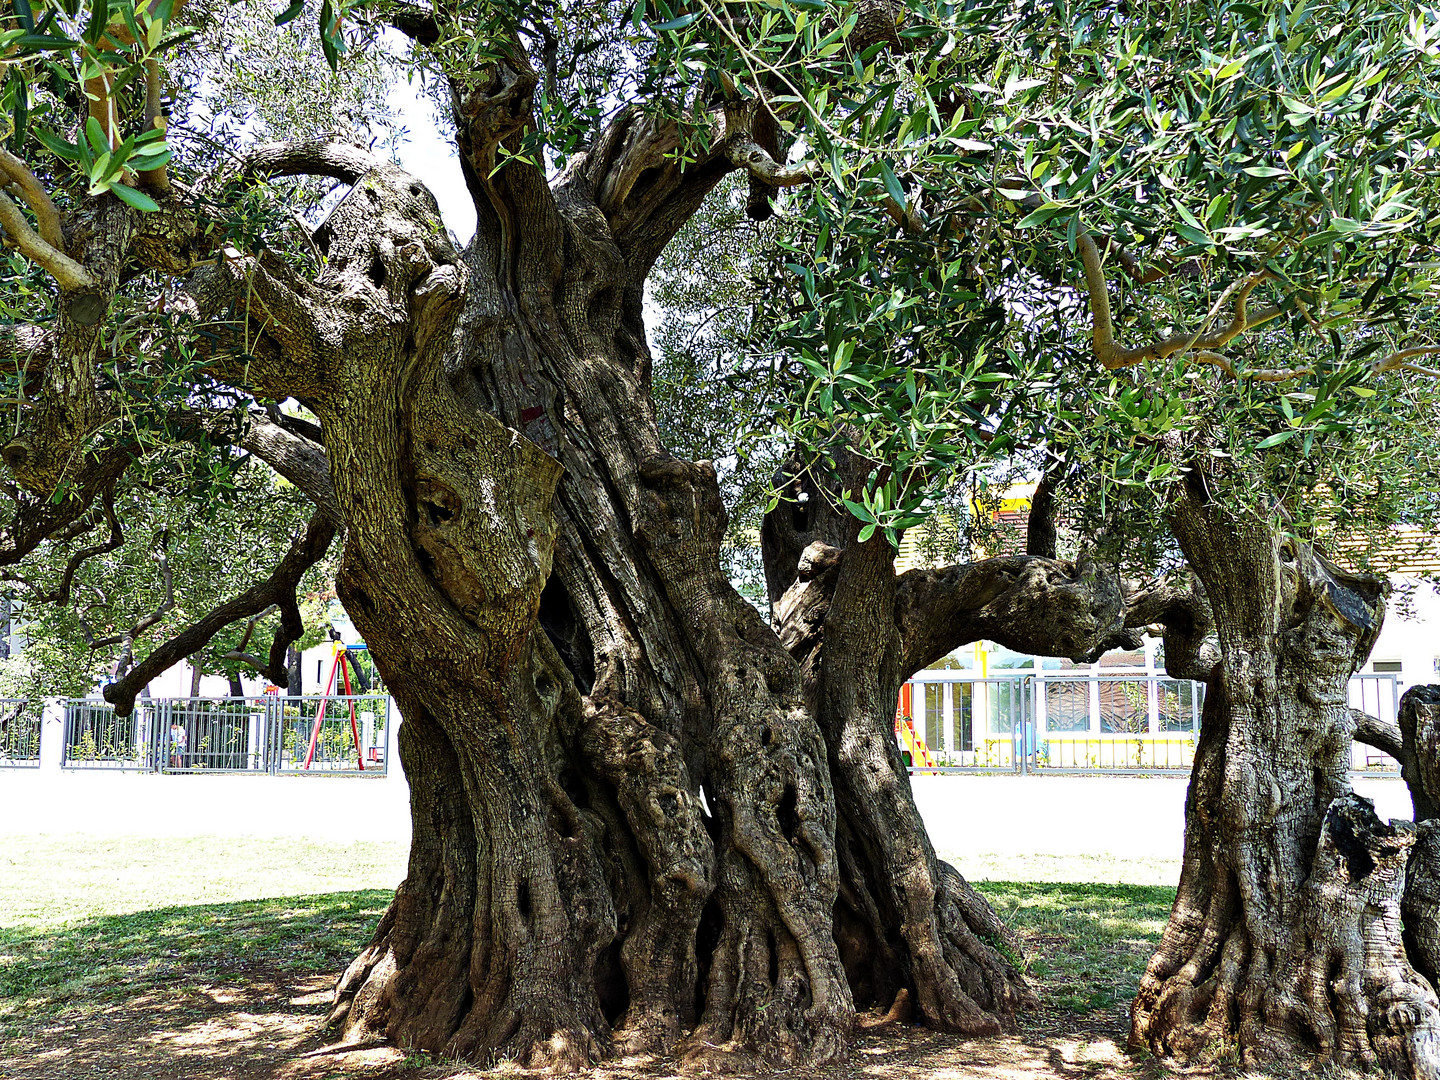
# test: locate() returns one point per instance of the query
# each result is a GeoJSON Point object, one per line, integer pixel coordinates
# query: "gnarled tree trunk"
{"type": "Point", "coordinates": [632, 829]}
{"type": "Point", "coordinates": [650, 856]}
{"type": "Point", "coordinates": [1285, 934]}
{"type": "Point", "coordinates": [913, 933]}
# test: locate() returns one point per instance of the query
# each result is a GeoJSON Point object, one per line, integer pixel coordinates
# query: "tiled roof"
{"type": "Point", "coordinates": [1411, 552]}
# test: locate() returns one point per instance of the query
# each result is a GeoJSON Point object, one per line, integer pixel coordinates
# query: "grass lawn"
{"type": "Point", "coordinates": [1086, 944]}
{"type": "Point", "coordinates": [210, 957]}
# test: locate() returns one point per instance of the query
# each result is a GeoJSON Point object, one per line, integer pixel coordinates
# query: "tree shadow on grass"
{"type": "Point", "coordinates": [1086, 944]}
{"type": "Point", "coordinates": [239, 990]}
{"type": "Point", "coordinates": [207, 990]}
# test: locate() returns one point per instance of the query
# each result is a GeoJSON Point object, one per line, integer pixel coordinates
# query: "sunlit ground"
{"type": "Point", "coordinates": [213, 958]}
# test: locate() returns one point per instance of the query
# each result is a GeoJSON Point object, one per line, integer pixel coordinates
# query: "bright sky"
{"type": "Point", "coordinates": [430, 156]}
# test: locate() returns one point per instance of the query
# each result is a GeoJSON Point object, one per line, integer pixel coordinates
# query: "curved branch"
{"type": "Point", "coordinates": [1383, 735]}
{"type": "Point", "coordinates": [68, 273]}
{"type": "Point", "coordinates": [745, 153]}
{"type": "Point", "coordinates": [36, 197]}
{"type": "Point", "coordinates": [310, 157]}
{"type": "Point", "coordinates": [1112, 356]}
{"type": "Point", "coordinates": [37, 520]}
{"type": "Point", "coordinates": [1026, 603]}
{"type": "Point", "coordinates": [61, 594]}
{"type": "Point", "coordinates": [1400, 360]}
{"type": "Point", "coordinates": [1182, 613]}
{"type": "Point", "coordinates": [294, 457]}
{"type": "Point", "coordinates": [278, 589]}
{"type": "Point", "coordinates": [239, 653]}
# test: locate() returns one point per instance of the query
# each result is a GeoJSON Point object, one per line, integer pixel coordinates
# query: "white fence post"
{"type": "Point", "coordinates": [52, 735]}
{"type": "Point", "coordinates": [393, 768]}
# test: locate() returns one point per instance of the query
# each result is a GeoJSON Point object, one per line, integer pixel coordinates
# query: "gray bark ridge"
{"type": "Point", "coordinates": [914, 935]}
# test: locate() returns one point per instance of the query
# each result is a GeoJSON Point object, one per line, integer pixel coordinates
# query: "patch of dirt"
{"type": "Point", "coordinates": [271, 1029]}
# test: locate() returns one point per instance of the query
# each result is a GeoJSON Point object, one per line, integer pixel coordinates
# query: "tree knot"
{"type": "Point", "coordinates": [662, 470]}
{"type": "Point", "coordinates": [816, 559]}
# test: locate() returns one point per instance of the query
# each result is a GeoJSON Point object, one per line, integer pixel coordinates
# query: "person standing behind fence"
{"type": "Point", "coordinates": [179, 741]}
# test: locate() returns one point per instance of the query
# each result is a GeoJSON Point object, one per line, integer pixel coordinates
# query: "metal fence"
{"type": "Point", "coordinates": [1124, 722]}
{"type": "Point", "coordinates": [20, 733]}
{"type": "Point", "coordinates": [95, 738]}
{"type": "Point", "coordinates": [1378, 695]}
{"type": "Point", "coordinates": [269, 734]}
{"type": "Point", "coordinates": [333, 734]}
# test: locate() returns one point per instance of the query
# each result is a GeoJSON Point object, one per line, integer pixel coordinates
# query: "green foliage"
{"type": "Point", "coordinates": [217, 541]}
{"type": "Point", "coordinates": [714, 396]}
{"type": "Point", "coordinates": [937, 318]}
{"type": "Point", "coordinates": [52, 49]}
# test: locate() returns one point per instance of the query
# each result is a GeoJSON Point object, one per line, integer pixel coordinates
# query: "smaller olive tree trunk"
{"type": "Point", "coordinates": [914, 935]}
{"type": "Point", "coordinates": [1285, 937]}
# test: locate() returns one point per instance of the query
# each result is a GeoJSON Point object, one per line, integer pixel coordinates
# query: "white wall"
{"type": "Point", "coordinates": [175, 682]}
{"type": "Point", "coordinates": [1415, 641]}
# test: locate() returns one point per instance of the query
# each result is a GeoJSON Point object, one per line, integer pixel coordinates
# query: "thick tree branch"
{"type": "Point", "coordinates": [322, 156]}
{"type": "Point", "coordinates": [1381, 734]}
{"type": "Point", "coordinates": [1040, 533]}
{"type": "Point", "coordinates": [36, 520]}
{"type": "Point", "coordinates": [294, 457]}
{"type": "Point", "coordinates": [1182, 614]}
{"type": "Point", "coordinates": [416, 23]}
{"type": "Point", "coordinates": [157, 179]}
{"type": "Point", "coordinates": [26, 348]}
{"type": "Point", "coordinates": [745, 153]}
{"type": "Point", "coordinates": [267, 324]}
{"type": "Point", "coordinates": [1029, 604]}
{"type": "Point", "coordinates": [278, 589]}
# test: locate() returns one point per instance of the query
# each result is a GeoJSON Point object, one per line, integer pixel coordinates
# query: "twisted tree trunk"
{"type": "Point", "coordinates": [632, 829]}
{"type": "Point", "coordinates": [642, 821]}
{"type": "Point", "coordinates": [1285, 936]}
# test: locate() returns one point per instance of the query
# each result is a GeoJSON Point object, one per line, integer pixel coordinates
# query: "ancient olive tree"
{"type": "Point", "coordinates": [643, 819]}
{"type": "Point", "coordinates": [1236, 203]}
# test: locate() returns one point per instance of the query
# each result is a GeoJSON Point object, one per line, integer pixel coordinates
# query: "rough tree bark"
{"type": "Point", "coordinates": [642, 821]}
{"type": "Point", "coordinates": [1415, 742]}
{"type": "Point", "coordinates": [691, 783]}
{"type": "Point", "coordinates": [1285, 937]}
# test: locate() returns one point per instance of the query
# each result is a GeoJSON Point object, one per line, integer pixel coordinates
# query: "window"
{"type": "Point", "coordinates": [964, 716]}
{"type": "Point", "coordinates": [934, 717]}
{"type": "Point", "coordinates": [1179, 702]}
{"type": "Point", "coordinates": [1124, 707]}
{"type": "Point", "coordinates": [1067, 706]}
{"type": "Point", "coordinates": [1387, 667]}
{"type": "Point", "coordinates": [1007, 706]}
